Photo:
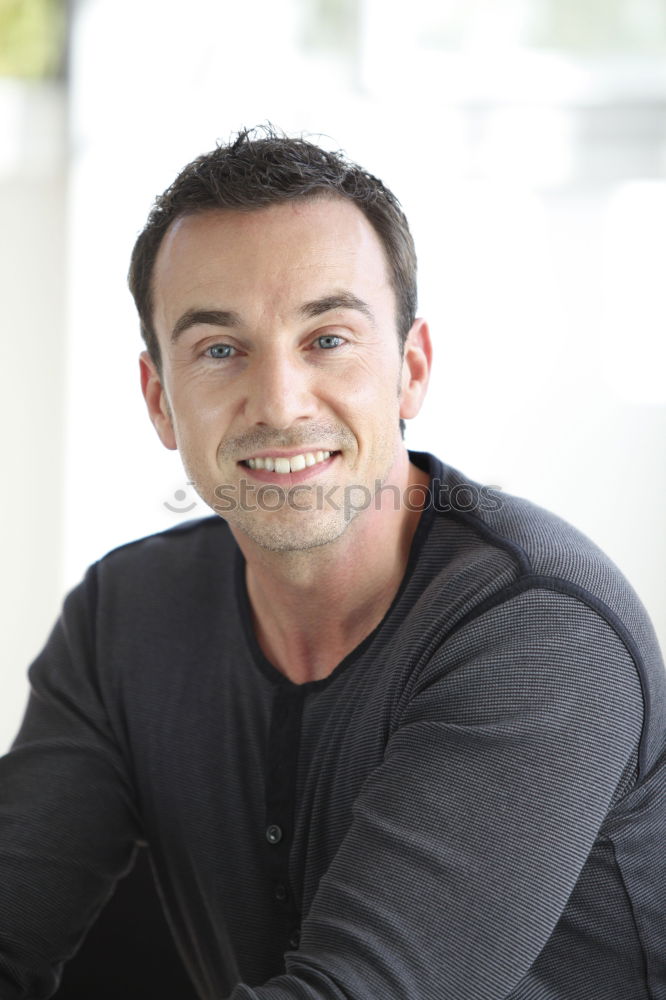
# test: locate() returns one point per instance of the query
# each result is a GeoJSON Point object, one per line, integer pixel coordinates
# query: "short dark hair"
{"type": "Point", "coordinates": [262, 167]}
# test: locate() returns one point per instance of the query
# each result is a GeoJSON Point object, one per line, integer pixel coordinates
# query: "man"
{"type": "Point", "coordinates": [387, 736]}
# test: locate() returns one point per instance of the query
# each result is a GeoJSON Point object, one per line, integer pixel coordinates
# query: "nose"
{"type": "Point", "coordinates": [280, 391]}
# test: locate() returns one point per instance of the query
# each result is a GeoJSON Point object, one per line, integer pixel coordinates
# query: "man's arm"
{"type": "Point", "coordinates": [68, 826]}
{"type": "Point", "coordinates": [468, 840]}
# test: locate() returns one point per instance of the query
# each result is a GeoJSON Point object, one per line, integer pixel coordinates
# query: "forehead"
{"type": "Point", "coordinates": [283, 253]}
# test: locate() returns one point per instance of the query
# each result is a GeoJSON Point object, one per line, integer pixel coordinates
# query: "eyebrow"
{"type": "Point", "coordinates": [210, 317]}
{"type": "Point", "coordinates": [228, 318]}
{"type": "Point", "coordinates": [339, 300]}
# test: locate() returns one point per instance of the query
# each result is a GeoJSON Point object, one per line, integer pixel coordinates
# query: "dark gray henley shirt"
{"type": "Point", "coordinates": [472, 806]}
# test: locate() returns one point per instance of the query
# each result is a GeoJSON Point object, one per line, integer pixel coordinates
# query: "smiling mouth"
{"type": "Point", "coordinates": [283, 465]}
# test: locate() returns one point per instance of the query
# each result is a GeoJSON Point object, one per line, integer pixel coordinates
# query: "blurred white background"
{"type": "Point", "coordinates": [526, 140]}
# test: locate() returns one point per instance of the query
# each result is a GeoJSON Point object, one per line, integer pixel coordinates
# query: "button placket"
{"type": "Point", "coordinates": [281, 769]}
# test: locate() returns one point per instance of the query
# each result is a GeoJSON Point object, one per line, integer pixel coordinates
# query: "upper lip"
{"type": "Point", "coordinates": [281, 453]}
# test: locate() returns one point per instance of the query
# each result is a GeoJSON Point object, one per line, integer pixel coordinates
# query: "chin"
{"type": "Point", "coordinates": [292, 537]}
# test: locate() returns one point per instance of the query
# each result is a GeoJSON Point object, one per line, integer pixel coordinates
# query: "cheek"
{"type": "Point", "coordinates": [371, 378]}
{"type": "Point", "coordinates": [199, 404]}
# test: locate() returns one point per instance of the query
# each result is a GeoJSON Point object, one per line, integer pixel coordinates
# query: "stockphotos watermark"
{"type": "Point", "coordinates": [350, 499]}
{"type": "Point", "coordinates": [353, 498]}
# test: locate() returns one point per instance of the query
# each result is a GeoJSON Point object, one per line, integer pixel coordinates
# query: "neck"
{"type": "Point", "coordinates": [311, 608]}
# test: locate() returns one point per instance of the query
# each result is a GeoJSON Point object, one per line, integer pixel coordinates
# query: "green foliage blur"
{"type": "Point", "coordinates": [32, 38]}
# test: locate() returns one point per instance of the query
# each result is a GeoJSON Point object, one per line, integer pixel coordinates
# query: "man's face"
{"type": "Point", "coordinates": [277, 329]}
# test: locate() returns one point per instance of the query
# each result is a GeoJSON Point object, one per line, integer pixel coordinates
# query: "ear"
{"type": "Point", "coordinates": [156, 401]}
{"type": "Point", "coordinates": [416, 363]}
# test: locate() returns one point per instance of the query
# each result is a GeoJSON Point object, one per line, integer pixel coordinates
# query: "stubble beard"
{"type": "Point", "coordinates": [267, 532]}
{"type": "Point", "coordinates": [286, 528]}
{"type": "Point", "coordinates": [293, 530]}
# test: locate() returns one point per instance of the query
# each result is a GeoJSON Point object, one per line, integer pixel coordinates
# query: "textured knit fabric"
{"type": "Point", "coordinates": [472, 806]}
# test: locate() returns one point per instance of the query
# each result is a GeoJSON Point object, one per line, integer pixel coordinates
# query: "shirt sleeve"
{"type": "Point", "coordinates": [467, 841]}
{"type": "Point", "coordinates": [68, 823]}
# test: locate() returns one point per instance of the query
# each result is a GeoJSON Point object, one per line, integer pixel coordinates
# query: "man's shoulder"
{"type": "Point", "coordinates": [184, 550]}
{"type": "Point", "coordinates": [511, 546]}
{"type": "Point", "coordinates": [519, 567]}
{"type": "Point", "coordinates": [538, 543]}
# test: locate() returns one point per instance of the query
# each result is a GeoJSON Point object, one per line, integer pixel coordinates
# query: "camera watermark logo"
{"type": "Point", "coordinates": [181, 497]}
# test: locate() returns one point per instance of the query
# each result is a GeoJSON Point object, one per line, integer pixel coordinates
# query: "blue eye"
{"type": "Point", "coordinates": [220, 351]}
{"type": "Point", "coordinates": [328, 341]}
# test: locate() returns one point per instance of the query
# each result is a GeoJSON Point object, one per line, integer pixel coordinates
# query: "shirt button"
{"type": "Point", "coordinates": [280, 892]}
{"type": "Point", "coordinates": [273, 833]}
{"type": "Point", "coordinates": [294, 939]}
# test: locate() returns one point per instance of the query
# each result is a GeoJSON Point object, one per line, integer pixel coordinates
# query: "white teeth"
{"type": "Point", "coordinates": [294, 464]}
